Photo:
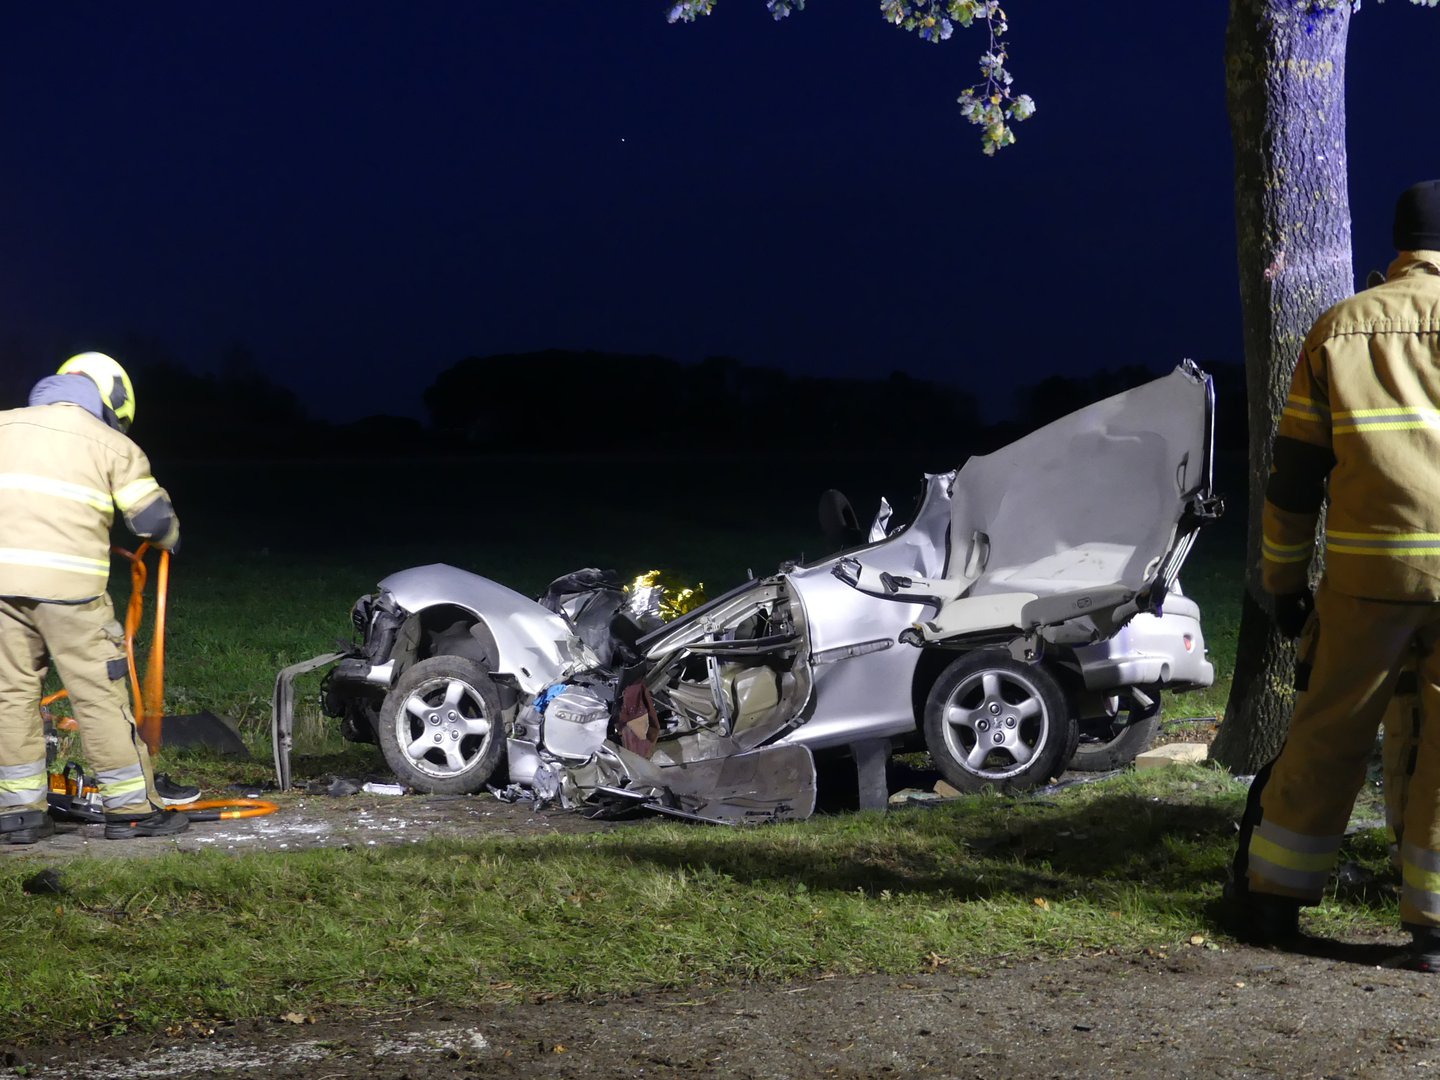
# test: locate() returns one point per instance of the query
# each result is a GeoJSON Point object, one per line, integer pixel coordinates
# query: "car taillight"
{"type": "Point", "coordinates": [1189, 643]}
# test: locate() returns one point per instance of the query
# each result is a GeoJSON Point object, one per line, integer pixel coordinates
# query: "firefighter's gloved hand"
{"type": "Point", "coordinates": [1291, 611]}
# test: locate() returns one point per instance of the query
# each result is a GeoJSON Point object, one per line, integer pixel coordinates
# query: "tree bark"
{"type": "Point", "coordinates": [1285, 83]}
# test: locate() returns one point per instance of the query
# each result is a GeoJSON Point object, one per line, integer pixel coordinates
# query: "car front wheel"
{"type": "Point", "coordinates": [440, 728]}
{"type": "Point", "coordinates": [994, 722]}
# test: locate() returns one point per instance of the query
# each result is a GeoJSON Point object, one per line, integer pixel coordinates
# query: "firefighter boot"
{"type": "Point", "coordinates": [1424, 954]}
{"type": "Point", "coordinates": [1262, 919]}
{"type": "Point", "coordinates": [28, 827]}
{"type": "Point", "coordinates": [155, 823]}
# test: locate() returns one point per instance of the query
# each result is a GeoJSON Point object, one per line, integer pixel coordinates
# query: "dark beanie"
{"type": "Point", "coordinates": [1417, 218]}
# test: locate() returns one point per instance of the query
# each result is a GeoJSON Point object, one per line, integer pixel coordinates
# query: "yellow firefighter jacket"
{"type": "Point", "coordinates": [62, 473]}
{"type": "Point", "coordinates": [1363, 413]}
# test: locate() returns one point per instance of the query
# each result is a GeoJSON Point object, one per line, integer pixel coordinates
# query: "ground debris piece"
{"type": "Point", "coordinates": [1172, 754]}
{"type": "Point", "coordinates": [337, 786]}
{"type": "Point", "coordinates": [1037, 796]}
{"type": "Point", "coordinates": [912, 795]}
{"type": "Point", "coordinates": [452, 1041]}
{"type": "Point", "coordinates": [46, 883]}
{"type": "Point", "coordinates": [511, 793]}
{"type": "Point", "coordinates": [373, 787]}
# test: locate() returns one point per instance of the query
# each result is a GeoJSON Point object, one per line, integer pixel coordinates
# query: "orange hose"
{"type": "Point", "coordinates": [152, 692]}
{"type": "Point", "coordinates": [62, 723]}
{"type": "Point", "coordinates": [226, 809]}
{"type": "Point", "coordinates": [155, 662]}
{"type": "Point", "coordinates": [149, 694]}
{"type": "Point", "coordinates": [134, 612]}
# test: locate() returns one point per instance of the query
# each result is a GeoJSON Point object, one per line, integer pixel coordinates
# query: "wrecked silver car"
{"type": "Point", "coordinates": [1026, 619]}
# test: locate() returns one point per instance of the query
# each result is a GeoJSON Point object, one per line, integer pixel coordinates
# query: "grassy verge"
{"type": "Point", "coordinates": [1127, 863]}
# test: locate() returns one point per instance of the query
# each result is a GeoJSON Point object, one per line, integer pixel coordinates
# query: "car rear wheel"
{"type": "Point", "coordinates": [440, 727]}
{"type": "Point", "coordinates": [992, 722]}
{"type": "Point", "coordinates": [1112, 742]}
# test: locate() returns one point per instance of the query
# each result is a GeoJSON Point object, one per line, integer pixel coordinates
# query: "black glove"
{"type": "Point", "coordinates": [1291, 611]}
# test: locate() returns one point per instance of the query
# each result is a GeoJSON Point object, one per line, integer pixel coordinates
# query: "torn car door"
{"type": "Point", "coordinates": [1080, 524]}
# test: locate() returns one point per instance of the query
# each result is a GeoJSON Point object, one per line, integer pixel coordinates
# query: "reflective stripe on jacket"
{"type": "Point", "coordinates": [1363, 420]}
{"type": "Point", "coordinates": [62, 474]}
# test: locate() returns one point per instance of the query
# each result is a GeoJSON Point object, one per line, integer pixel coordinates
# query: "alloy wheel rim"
{"type": "Point", "coordinates": [995, 724]}
{"type": "Point", "coordinates": [442, 728]}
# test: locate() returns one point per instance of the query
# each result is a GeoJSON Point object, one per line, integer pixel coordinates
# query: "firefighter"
{"type": "Point", "coordinates": [1361, 423]}
{"type": "Point", "coordinates": [66, 464]}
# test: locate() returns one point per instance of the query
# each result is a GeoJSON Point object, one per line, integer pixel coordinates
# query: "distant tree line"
{"type": "Point", "coordinates": [559, 400]}
{"type": "Point", "coordinates": [585, 402]}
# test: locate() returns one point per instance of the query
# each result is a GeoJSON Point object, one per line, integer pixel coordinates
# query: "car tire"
{"type": "Point", "coordinates": [994, 723]}
{"type": "Point", "coordinates": [1106, 744]}
{"type": "Point", "coordinates": [455, 699]}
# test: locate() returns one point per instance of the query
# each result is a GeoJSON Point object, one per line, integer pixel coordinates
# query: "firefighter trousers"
{"type": "Point", "coordinates": [1399, 748]}
{"type": "Point", "coordinates": [1360, 649]}
{"type": "Point", "coordinates": [88, 647]}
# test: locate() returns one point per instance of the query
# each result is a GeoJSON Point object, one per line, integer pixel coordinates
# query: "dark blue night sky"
{"type": "Point", "coordinates": [362, 194]}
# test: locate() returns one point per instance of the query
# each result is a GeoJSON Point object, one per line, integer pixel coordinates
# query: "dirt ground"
{"type": "Point", "coordinates": [1198, 1009]}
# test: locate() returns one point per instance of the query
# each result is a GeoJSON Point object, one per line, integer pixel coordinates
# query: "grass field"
{"type": "Point", "coordinates": [273, 558]}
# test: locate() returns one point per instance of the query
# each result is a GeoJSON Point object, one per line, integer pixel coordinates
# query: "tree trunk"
{"type": "Point", "coordinates": [1285, 82]}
